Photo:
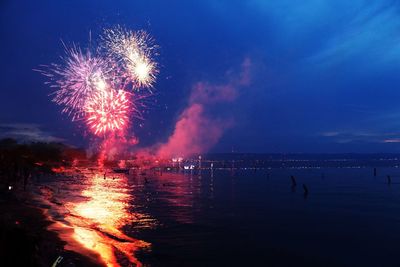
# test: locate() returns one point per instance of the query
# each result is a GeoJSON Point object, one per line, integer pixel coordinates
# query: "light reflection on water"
{"type": "Point", "coordinates": [90, 217]}
{"type": "Point", "coordinates": [202, 219]}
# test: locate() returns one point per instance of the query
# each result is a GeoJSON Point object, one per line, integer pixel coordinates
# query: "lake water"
{"type": "Point", "coordinates": [221, 217]}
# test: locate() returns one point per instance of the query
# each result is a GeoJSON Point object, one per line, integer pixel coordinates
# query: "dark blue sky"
{"type": "Point", "coordinates": [325, 74]}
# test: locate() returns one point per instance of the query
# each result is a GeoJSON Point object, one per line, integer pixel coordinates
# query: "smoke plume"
{"type": "Point", "coordinates": [198, 128]}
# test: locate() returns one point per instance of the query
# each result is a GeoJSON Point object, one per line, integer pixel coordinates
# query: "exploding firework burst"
{"type": "Point", "coordinates": [108, 111]}
{"type": "Point", "coordinates": [135, 51]}
{"type": "Point", "coordinates": [97, 87]}
{"type": "Point", "coordinates": [81, 75]}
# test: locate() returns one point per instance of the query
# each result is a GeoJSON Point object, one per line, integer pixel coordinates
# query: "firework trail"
{"type": "Point", "coordinates": [97, 87]}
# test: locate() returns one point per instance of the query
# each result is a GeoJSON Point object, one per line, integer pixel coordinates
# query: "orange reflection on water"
{"type": "Point", "coordinates": [97, 220]}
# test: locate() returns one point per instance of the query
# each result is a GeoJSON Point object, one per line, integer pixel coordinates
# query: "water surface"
{"type": "Point", "coordinates": [224, 217]}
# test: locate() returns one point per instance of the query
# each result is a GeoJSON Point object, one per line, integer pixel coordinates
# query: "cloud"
{"type": "Point", "coordinates": [25, 132]}
{"type": "Point", "coordinates": [197, 129]}
{"type": "Point", "coordinates": [344, 137]}
{"type": "Point", "coordinates": [291, 17]}
{"type": "Point", "coordinates": [329, 32]}
{"type": "Point", "coordinates": [372, 34]}
{"type": "Point", "coordinates": [396, 140]}
{"type": "Point", "coordinates": [330, 134]}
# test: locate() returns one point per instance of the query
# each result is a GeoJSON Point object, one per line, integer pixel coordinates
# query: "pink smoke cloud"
{"type": "Point", "coordinates": [194, 133]}
{"type": "Point", "coordinates": [196, 130]}
{"type": "Point", "coordinates": [205, 93]}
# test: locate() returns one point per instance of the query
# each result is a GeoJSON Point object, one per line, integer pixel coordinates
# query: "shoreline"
{"type": "Point", "coordinates": [25, 239]}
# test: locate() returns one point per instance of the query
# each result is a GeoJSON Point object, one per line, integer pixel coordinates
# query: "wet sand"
{"type": "Point", "coordinates": [88, 212]}
{"type": "Point", "coordinates": [25, 239]}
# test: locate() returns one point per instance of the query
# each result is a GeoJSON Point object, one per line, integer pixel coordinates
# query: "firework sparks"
{"type": "Point", "coordinates": [96, 87]}
{"type": "Point", "coordinates": [79, 78]}
{"type": "Point", "coordinates": [135, 51]}
{"type": "Point", "coordinates": [143, 70]}
{"type": "Point", "coordinates": [108, 111]}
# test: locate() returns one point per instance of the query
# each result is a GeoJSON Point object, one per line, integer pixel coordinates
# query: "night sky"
{"type": "Point", "coordinates": [323, 75]}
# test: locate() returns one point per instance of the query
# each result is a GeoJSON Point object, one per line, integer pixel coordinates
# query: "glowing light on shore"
{"type": "Point", "coordinates": [98, 220]}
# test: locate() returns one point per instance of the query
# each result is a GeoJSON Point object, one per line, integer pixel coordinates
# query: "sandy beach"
{"type": "Point", "coordinates": [25, 239]}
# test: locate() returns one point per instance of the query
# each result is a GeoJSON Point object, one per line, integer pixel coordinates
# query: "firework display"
{"type": "Point", "coordinates": [100, 87]}
{"type": "Point", "coordinates": [107, 110]}
{"type": "Point", "coordinates": [134, 50]}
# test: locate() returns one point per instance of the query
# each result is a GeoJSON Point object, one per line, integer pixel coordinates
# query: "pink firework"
{"type": "Point", "coordinates": [108, 111]}
{"type": "Point", "coordinates": [77, 79]}
{"type": "Point", "coordinates": [94, 85]}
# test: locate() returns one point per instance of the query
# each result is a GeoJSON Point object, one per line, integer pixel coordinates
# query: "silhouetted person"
{"type": "Point", "coordinates": [305, 191]}
{"type": "Point", "coordinates": [293, 180]}
{"type": "Point", "coordinates": [374, 172]}
{"type": "Point", "coordinates": [389, 180]}
{"type": "Point", "coordinates": [293, 187]}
